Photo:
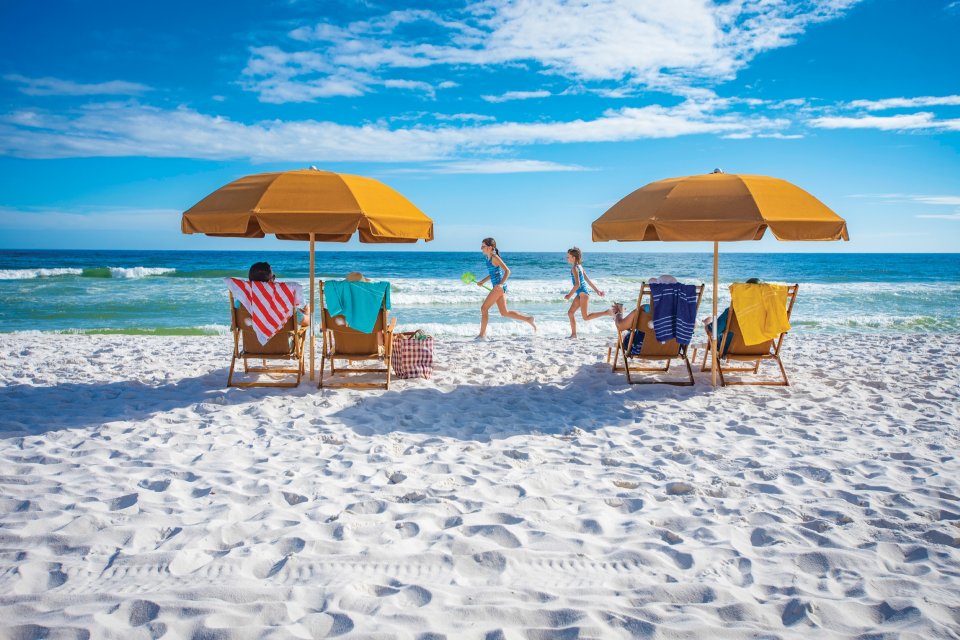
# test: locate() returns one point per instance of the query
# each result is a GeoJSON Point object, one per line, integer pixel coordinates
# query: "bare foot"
{"type": "Point", "coordinates": [572, 336]}
{"type": "Point", "coordinates": [533, 323]}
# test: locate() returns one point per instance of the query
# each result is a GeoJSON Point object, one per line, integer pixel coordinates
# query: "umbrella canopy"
{"type": "Point", "coordinates": [294, 204]}
{"type": "Point", "coordinates": [719, 207]}
{"type": "Point", "coordinates": [309, 204]}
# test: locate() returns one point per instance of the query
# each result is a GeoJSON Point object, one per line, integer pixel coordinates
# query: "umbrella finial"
{"type": "Point", "coordinates": [313, 167]}
{"type": "Point", "coordinates": [717, 171]}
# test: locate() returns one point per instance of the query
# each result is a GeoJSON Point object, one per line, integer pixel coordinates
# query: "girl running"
{"type": "Point", "coordinates": [498, 272]}
{"type": "Point", "coordinates": [581, 298]}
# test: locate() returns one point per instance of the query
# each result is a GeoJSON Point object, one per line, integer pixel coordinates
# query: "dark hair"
{"type": "Point", "coordinates": [260, 272]}
{"type": "Point", "coordinates": [490, 242]}
{"type": "Point", "coordinates": [577, 254]}
{"type": "Point", "coordinates": [754, 281]}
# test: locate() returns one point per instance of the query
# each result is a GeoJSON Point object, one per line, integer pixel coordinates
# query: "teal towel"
{"type": "Point", "coordinates": [357, 302]}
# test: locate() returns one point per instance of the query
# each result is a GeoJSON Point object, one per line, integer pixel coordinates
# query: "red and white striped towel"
{"type": "Point", "coordinates": [270, 304]}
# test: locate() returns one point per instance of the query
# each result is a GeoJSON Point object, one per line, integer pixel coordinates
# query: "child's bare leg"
{"type": "Point", "coordinates": [584, 305]}
{"type": "Point", "coordinates": [490, 300]}
{"type": "Point", "coordinates": [515, 315]}
{"type": "Point", "coordinates": [572, 314]}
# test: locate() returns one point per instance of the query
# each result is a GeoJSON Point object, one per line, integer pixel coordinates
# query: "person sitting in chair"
{"type": "Point", "coordinates": [722, 322]}
{"type": "Point", "coordinates": [262, 272]}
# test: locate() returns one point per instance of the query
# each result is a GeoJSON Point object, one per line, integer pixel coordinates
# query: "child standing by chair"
{"type": "Point", "coordinates": [498, 272]}
{"type": "Point", "coordinates": [579, 293]}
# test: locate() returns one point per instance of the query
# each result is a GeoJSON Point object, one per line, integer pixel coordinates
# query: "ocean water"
{"type": "Point", "coordinates": [182, 293]}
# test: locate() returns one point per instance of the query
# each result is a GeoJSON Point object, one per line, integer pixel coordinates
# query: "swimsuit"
{"type": "Point", "coordinates": [583, 282]}
{"type": "Point", "coordinates": [496, 273]}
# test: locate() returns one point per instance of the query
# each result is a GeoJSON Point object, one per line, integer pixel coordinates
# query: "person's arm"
{"type": "Point", "coordinates": [482, 281]}
{"type": "Point", "coordinates": [576, 283]}
{"type": "Point", "coordinates": [592, 286]}
{"type": "Point", "coordinates": [498, 261]}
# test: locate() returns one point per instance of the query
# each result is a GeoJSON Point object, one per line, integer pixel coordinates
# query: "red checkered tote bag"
{"type": "Point", "coordinates": [412, 355]}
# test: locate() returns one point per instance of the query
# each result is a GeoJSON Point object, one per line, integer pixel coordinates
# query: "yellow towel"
{"type": "Point", "coordinates": [761, 311]}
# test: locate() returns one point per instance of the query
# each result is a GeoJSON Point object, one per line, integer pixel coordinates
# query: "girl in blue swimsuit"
{"type": "Point", "coordinates": [498, 273]}
{"type": "Point", "coordinates": [579, 293]}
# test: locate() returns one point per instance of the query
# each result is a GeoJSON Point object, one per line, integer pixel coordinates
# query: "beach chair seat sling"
{"type": "Point", "coordinates": [650, 349]}
{"type": "Point", "coordinates": [286, 347]}
{"type": "Point", "coordinates": [754, 353]}
{"type": "Point", "coordinates": [341, 342]}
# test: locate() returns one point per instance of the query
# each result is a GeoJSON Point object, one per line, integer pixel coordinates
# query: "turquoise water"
{"type": "Point", "coordinates": [167, 292]}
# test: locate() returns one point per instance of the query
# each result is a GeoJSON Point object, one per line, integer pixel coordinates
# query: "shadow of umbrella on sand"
{"type": "Point", "coordinates": [718, 207]}
{"type": "Point", "coordinates": [309, 204]}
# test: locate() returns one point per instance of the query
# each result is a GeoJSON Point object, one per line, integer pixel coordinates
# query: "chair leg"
{"type": "Point", "coordinates": [783, 372]}
{"type": "Point", "coordinates": [686, 361]}
{"type": "Point", "coordinates": [233, 362]}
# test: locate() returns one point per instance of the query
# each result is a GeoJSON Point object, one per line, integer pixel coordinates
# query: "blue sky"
{"type": "Point", "coordinates": [524, 120]}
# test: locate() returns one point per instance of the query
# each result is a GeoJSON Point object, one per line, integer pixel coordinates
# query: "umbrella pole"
{"type": "Point", "coordinates": [313, 305]}
{"type": "Point", "coordinates": [713, 360]}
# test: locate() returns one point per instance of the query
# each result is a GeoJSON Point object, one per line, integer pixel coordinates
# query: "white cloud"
{"type": "Point", "coordinates": [58, 87]}
{"type": "Point", "coordinates": [922, 121]}
{"type": "Point", "coordinates": [517, 95]}
{"type": "Point", "coordinates": [131, 129]}
{"type": "Point", "coordinates": [464, 117]}
{"type": "Point", "coordinates": [906, 103]}
{"type": "Point", "coordinates": [937, 200]}
{"type": "Point", "coordinates": [942, 216]}
{"type": "Point", "coordinates": [673, 46]}
{"type": "Point", "coordinates": [413, 85]}
{"type": "Point", "coordinates": [504, 166]}
{"type": "Point", "coordinates": [107, 218]}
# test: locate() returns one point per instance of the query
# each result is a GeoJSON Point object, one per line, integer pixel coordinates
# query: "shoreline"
{"type": "Point", "coordinates": [524, 490]}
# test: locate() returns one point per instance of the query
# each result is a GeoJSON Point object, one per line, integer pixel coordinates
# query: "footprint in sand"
{"type": "Point", "coordinates": [154, 485]}
{"type": "Point", "coordinates": [495, 533]}
{"type": "Point", "coordinates": [123, 502]}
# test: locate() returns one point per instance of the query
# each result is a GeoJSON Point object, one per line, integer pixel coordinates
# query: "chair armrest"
{"type": "Point", "coordinates": [392, 326]}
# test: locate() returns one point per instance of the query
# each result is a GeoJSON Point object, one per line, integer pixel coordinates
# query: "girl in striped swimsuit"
{"type": "Point", "coordinates": [579, 293]}
{"type": "Point", "coordinates": [498, 272]}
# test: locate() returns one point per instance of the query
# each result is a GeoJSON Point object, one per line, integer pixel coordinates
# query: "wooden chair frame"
{"type": "Point", "coordinates": [651, 349]}
{"type": "Point", "coordinates": [277, 348]}
{"type": "Point", "coordinates": [329, 353]}
{"type": "Point", "coordinates": [738, 352]}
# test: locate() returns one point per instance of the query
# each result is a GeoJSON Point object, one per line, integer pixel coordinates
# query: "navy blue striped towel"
{"type": "Point", "coordinates": [674, 311]}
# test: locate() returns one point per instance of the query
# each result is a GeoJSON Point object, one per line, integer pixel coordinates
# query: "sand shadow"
{"type": "Point", "coordinates": [32, 410]}
{"type": "Point", "coordinates": [592, 399]}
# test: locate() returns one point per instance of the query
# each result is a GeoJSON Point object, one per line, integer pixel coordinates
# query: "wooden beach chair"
{"type": "Point", "coordinates": [340, 342]}
{"type": "Point", "coordinates": [651, 349]}
{"type": "Point", "coordinates": [285, 346]}
{"type": "Point", "coordinates": [755, 353]}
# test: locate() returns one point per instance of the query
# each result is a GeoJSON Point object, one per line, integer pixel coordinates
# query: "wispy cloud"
{"type": "Point", "coordinates": [671, 46]}
{"type": "Point", "coordinates": [130, 129]}
{"type": "Point", "coordinates": [58, 87]}
{"type": "Point", "coordinates": [104, 218]}
{"type": "Point", "coordinates": [941, 216]}
{"type": "Point", "coordinates": [906, 103]}
{"type": "Point", "coordinates": [939, 200]}
{"type": "Point", "coordinates": [517, 95]}
{"type": "Point", "coordinates": [902, 199]}
{"type": "Point", "coordinates": [503, 166]}
{"type": "Point", "coordinates": [922, 121]}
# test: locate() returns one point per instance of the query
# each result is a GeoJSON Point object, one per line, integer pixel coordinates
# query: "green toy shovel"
{"type": "Point", "coordinates": [469, 278]}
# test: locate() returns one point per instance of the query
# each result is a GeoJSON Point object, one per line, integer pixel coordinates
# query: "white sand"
{"type": "Point", "coordinates": [525, 492]}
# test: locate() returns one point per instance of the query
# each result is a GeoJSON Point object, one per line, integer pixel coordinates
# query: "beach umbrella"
{"type": "Point", "coordinates": [312, 205]}
{"type": "Point", "coordinates": [718, 207]}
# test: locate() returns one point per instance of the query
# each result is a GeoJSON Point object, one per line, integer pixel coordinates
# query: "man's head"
{"type": "Point", "coordinates": [261, 272]}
